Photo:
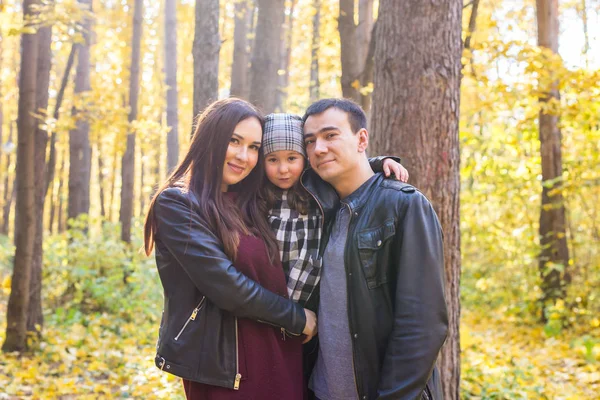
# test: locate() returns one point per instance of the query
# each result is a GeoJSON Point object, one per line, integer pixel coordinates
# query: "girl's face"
{"type": "Point", "coordinates": [284, 167]}
{"type": "Point", "coordinates": [242, 152]}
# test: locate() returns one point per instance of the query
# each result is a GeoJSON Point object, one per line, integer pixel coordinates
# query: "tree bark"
{"type": "Point", "coordinates": [554, 252]}
{"type": "Point", "coordinates": [239, 67]}
{"type": "Point", "coordinates": [285, 59]}
{"type": "Point", "coordinates": [80, 153]}
{"type": "Point", "coordinates": [128, 161]}
{"type": "Point", "coordinates": [206, 54]}
{"type": "Point", "coordinates": [9, 191]}
{"type": "Point", "coordinates": [349, 50]}
{"type": "Point", "coordinates": [314, 53]}
{"type": "Point", "coordinates": [171, 82]}
{"type": "Point", "coordinates": [101, 180]}
{"type": "Point", "coordinates": [416, 112]}
{"type": "Point", "coordinates": [266, 54]}
{"type": "Point", "coordinates": [18, 301]}
{"type": "Point", "coordinates": [35, 318]}
{"type": "Point", "coordinates": [364, 35]}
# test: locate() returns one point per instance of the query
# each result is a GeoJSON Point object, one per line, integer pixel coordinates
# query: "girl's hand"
{"type": "Point", "coordinates": [310, 329]}
{"type": "Point", "coordinates": [390, 166]}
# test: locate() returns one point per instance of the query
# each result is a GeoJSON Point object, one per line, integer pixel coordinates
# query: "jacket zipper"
{"type": "Point", "coordinates": [283, 330]}
{"type": "Point", "coordinates": [238, 376]}
{"type": "Point", "coordinates": [192, 317]}
{"type": "Point", "coordinates": [348, 299]}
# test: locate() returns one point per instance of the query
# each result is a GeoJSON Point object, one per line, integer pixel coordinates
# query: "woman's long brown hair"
{"type": "Point", "coordinates": [201, 172]}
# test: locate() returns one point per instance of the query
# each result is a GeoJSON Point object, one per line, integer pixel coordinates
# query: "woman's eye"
{"type": "Point", "coordinates": [255, 147]}
{"type": "Point", "coordinates": [234, 141]}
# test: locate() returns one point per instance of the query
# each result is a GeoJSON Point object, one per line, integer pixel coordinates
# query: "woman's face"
{"type": "Point", "coordinates": [242, 152]}
{"type": "Point", "coordinates": [284, 167]}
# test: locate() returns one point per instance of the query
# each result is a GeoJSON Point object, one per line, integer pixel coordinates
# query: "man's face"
{"type": "Point", "coordinates": [333, 150]}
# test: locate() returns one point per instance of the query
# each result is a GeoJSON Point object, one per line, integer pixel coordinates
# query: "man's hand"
{"type": "Point", "coordinates": [310, 329]}
{"type": "Point", "coordinates": [390, 166]}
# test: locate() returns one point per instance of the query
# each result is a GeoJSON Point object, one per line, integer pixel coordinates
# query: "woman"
{"type": "Point", "coordinates": [206, 214]}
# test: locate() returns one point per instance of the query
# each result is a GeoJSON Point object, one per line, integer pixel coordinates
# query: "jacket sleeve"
{"type": "Point", "coordinates": [420, 317]}
{"type": "Point", "coordinates": [377, 162]}
{"type": "Point", "coordinates": [199, 252]}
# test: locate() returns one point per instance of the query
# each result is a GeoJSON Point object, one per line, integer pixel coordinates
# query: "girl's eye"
{"type": "Point", "coordinates": [292, 158]}
{"type": "Point", "coordinates": [271, 160]}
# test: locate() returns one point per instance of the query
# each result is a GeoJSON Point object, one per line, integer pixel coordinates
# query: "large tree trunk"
{"type": "Point", "coordinates": [350, 51]}
{"type": "Point", "coordinates": [18, 301]}
{"type": "Point", "coordinates": [171, 82]}
{"type": "Point", "coordinates": [314, 86]}
{"type": "Point", "coordinates": [554, 254]}
{"type": "Point", "coordinates": [206, 54]}
{"type": "Point", "coordinates": [416, 113]}
{"type": "Point", "coordinates": [285, 59]}
{"type": "Point", "coordinates": [266, 54]}
{"type": "Point", "coordinates": [239, 67]}
{"type": "Point", "coordinates": [128, 162]}
{"type": "Point", "coordinates": [35, 318]}
{"type": "Point", "coordinates": [80, 152]}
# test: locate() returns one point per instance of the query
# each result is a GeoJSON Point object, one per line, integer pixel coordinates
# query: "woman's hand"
{"type": "Point", "coordinates": [310, 329]}
{"type": "Point", "coordinates": [390, 166]}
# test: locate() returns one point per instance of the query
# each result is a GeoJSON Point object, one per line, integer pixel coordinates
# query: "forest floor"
{"type": "Point", "coordinates": [101, 355]}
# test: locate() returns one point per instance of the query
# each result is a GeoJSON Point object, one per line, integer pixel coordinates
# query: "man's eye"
{"type": "Point", "coordinates": [308, 142]}
{"type": "Point", "coordinates": [331, 135]}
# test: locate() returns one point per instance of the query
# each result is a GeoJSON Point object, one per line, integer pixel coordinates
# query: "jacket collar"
{"type": "Point", "coordinates": [358, 198]}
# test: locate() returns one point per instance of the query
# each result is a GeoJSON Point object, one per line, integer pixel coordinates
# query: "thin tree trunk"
{"type": "Point", "coordinates": [18, 301]}
{"type": "Point", "coordinates": [471, 30]}
{"type": "Point", "coordinates": [62, 221]}
{"type": "Point", "coordinates": [171, 82]}
{"type": "Point", "coordinates": [101, 180]}
{"type": "Point", "coordinates": [586, 35]}
{"type": "Point", "coordinates": [113, 187]}
{"type": "Point", "coordinates": [416, 113]}
{"type": "Point", "coordinates": [286, 56]}
{"type": "Point", "coordinates": [368, 73]}
{"type": "Point", "coordinates": [314, 53]}
{"type": "Point", "coordinates": [50, 168]}
{"type": "Point", "coordinates": [206, 54]}
{"type": "Point", "coordinates": [363, 35]}
{"type": "Point", "coordinates": [554, 254]}
{"type": "Point", "coordinates": [266, 54]}
{"type": "Point", "coordinates": [80, 162]}
{"type": "Point", "coordinates": [128, 161]}
{"type": "Point", "coordinates": [35, 318]}
{"type": "Point", "coordinates": [239, 67]}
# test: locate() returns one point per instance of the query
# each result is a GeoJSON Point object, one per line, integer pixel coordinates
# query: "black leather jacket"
{"type": "Point", "coordinates": [396, 309]}
{"type": "Point", "coordinates": [203, 296]}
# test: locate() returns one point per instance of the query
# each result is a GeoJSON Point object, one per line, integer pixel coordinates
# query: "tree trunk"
{"type": "Point", "coordinates": [35, 318]}
{"type": "Point", "coordinates": [50, 168]}
{"type": "Point", "coordinates": [554, 254]}
{"type": "Point", "coordinates": [101, 180]}
{"type": "Point", "coordinates": [314, 53]}
{"type": "Point", "coordinates": [80, 153]}
{"type": "Point", "coordinates": [128, 161]}
{"type": "Point", "coordinates": [206, 54]}
{"type": "Point", "coordinates": [363, 36]}
{"type": "Point", "coordinates": [266, 54]}
{"type": "Point", "coordinates": [285, 59]}
{"type": "Point", "coordinates": [416, 112]}
{"type": "Point", "coordinates": [62, 225]}
{"type": "Point", "coordinates": [18, 301]}
{"type": "Point", "coordinates": [350, 51]}
{"type": "Point", "coordinates": [113, 186]}
{"type": "Point", "coordinates": [239, 67]}
{"type": "Point", "coordinates": [171, 82]}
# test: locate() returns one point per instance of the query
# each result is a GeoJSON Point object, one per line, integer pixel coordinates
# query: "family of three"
{"type": "Point", "coordinates": [252, 242]}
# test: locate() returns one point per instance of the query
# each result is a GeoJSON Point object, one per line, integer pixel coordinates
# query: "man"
{"type": "Point", "coordinates": [382, 314]}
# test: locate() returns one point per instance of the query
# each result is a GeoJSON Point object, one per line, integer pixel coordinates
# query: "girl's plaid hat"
{"type": "Point", "coordinates": [283, 132]}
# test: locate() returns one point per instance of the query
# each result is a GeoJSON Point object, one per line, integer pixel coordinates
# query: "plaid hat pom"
{"type": "Point", "coordinates": [283, 132]}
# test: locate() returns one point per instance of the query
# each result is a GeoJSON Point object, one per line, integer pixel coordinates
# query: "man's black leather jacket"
{"type": "Point", "coordinates": [394, 264]}
{"type": "Point", "coordinates": [203, 296]}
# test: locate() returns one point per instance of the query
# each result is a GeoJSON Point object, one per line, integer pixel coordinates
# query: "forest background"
{"type": "Point", "coordinates": [97, 100]}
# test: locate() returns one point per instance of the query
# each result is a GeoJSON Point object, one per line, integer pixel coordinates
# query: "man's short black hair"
{"type": "Point", "coordinates": [356, 115]}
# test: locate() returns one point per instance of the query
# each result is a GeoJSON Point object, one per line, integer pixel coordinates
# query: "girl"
{"type": "Point", "coordinates": [294, 215]}
{"type": "Point", "coordinates": [205, 215]}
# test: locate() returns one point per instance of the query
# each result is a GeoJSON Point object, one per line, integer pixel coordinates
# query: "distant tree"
{"type": "Point", "coordinates": [554, 253]}
{"type": "Point", "coordinates": [171, 82]}
{"type": "Point", "coordinates": [128, 161]}
{"type": "Point", "coordinates": [206, 54]}
{"type": "Point", "coordinates": [18, 301]}
{"type": "Point", "coordinates": [314, 86]}
{"type": "Point", "coordinates": [416, 113]}
{"type": "Point", "coordinates": [283, 74]}
{"type": "Point", "coordinates": [266, 53]}
{"type": "Point", "coordinates": [80, 153]}
{"type": "Point", "coordinates": [239, 68]}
